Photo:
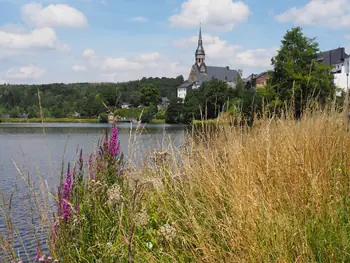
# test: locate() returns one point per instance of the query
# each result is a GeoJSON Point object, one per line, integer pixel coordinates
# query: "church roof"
{"type": "Point", "coordinates": [219, 73]}
{"type": "Point", "coordinates": [222, 73]}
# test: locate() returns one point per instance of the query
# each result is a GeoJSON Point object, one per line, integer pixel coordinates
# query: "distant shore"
{"type": "Point", "coordinates": [61, 120]}
{"type": "Point", "coordinates": [48, 120]}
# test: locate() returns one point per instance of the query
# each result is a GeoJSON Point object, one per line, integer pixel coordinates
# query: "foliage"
{"type": "Point", "coordinates": [207, 101]}
{"type": "Point", "coordinates": [297, 76]}
{"type": "Point", "coordinates": [158, 121]}
{"type": "Point", "coordinates": [193, 105]}
{"type": "Point", "coordinates": [148, 114]}
{"type": "Point", "coordinates": [103, 117]}
{"type": "Point", "coordinates": [160, 115]}
{"type": "Point", "coordinates": [132, 113]}
{"type": "Point", "coordinates": [49, 120]}
{"type": "Point", "coordinates": [174, 111]}
{"type": "Point", "coordinates": [150, 95]}
{"type": "Point", "coordinates": [60, 100]}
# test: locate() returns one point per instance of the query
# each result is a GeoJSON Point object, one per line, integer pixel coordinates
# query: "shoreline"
{"type": "Point", "coordinates": [48, 120]}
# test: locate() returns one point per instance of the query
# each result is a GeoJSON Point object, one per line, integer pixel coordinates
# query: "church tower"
{"type": "Point", "coordinates": [200, 54]}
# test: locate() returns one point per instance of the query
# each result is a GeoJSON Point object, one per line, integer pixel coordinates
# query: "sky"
{"type": "Point", "coordinates": [66, 41]}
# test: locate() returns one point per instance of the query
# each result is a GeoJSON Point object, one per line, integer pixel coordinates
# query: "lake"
{"type": "Point", "coordinates": [37, 152]}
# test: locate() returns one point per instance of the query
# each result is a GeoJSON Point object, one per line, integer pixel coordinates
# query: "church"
{"type": "Point", "coordinates": [201, 73]}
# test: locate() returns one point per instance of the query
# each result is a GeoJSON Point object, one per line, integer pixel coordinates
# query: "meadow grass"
{"type": "Point", "coordinates": [278, 191]}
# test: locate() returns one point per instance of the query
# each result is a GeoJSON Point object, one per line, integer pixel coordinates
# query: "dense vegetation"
{"type": "Point", "coordinates": [88, 99]}
{"type": "Point", "coordinates": [278, 192]}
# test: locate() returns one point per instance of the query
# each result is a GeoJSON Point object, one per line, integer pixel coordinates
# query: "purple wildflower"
{"type": "Point", "coordinates": [38, 252]}
{"type": "Point", "coordinates": [114, 143]}
{"type": "Point", "coordinates": [67, 187]}
{"type": "Point", "coordinates": [105, 143]}
{"type": "Point", "coordinates": [81, 161]}
{"type": "Point", "coordinates": [92, 176]}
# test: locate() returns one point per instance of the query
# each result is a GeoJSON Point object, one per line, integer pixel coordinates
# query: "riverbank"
{"type": "Point", "coordinates": [48, 120]}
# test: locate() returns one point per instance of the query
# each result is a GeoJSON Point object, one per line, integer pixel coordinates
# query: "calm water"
{"type": "Point", "coordinates": [35, 153]}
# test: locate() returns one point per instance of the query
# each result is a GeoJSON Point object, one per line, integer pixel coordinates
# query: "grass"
{"type": "Point", "coordinates": [48, 120]}
{"type": "Point", "coordinates": [277, 192]}
{"type": "Point", "coordinates": [158, 121]}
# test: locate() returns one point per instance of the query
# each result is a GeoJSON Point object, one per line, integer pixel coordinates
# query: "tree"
{"type": "Point", "coordinates": [150, 95]}
{"type": "Point", "coordinates": [174, 111]}
{"type": "Point", "coordinates": [148, 114]}
{"type": "Point", "coordinates": [193, 105]}
{"type": "Point", "coordinates": [216, 94]}
{"type": "Point", "coordinates": [298, 76]}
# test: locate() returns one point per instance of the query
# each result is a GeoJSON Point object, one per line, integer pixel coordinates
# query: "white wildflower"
{"type": "Point", "coordinates": [168, 232]}
{"type": "Point", "coordinates": [109, 244]}
{"type": "Point", "coordinates": [141, 218]}
{"type": "Point", "coordinates": [149, 245]}
{"type": "Point", "coordinates": [114, 194]}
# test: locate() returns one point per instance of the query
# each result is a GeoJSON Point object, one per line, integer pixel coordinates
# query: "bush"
{"type": "Point", "coordinates": [103, 117]}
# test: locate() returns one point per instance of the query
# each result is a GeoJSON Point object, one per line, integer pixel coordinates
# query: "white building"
{"type": "Point", "coordinates": [339, 60]}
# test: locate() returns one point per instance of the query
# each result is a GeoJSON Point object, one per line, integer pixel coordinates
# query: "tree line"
{"type": "Point", "coordinates": [88, 99]}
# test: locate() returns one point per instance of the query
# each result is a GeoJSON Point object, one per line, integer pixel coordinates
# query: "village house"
{"type": "Point", "coordinates": [257, 81]}
{"type": "Point", "coordinates": [201, 73]}
{"type": "Point", "coordinates": [339, 60]}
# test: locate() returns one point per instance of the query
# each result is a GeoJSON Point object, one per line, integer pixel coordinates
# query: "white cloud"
{"type": "Point", "coordinates": [347, 36]}
{"type": "Point", "coordinates": [214, 47]}
{"type": "Point", "coordinates": [120, 64]}
{"type": "Point", "coordinates": [221, 15]}
{"type": "Point", "coordinates": [79, 68]}
{"type": "Point", "coordinates": [25, 72]}
{"type": "Point", "coordinates": [130, 67]}
{"type": "Point", "coordinates": [42, 38]}
{"type": "Point", "coordinates": [256, 57]}
{"type": "Point", "coordinates": [149, 56]}
{"type": "Point", "coordinates": [88, 53]}
{"type": "Point", "coordinates": [326, 13]}
{"type": "Point", "coordinates": [35, 14]}
{"type": "Point", "coordinates": [139, 19]}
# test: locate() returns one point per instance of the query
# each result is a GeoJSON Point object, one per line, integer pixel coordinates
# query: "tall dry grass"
{"type": "Point", "coordinates": [279, 192]}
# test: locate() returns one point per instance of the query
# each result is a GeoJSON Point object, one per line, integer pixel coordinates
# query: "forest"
{"type": "Point", "coordinates": [88, 99]}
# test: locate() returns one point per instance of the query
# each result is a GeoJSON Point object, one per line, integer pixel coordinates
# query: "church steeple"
{"type": "Point", "coordinates": [200, 54]}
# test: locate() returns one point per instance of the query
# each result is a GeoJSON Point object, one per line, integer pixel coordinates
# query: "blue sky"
{"type": "Point", "coordinates": [120, 40]}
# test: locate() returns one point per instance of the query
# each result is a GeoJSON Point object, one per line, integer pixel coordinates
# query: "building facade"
{"type": "Point", "coordinates": [339, 61]}
{"type": "Point", "coordinates": [200, 72]}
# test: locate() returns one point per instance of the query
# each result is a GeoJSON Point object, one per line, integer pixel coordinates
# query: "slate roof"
{"type": "Point", "coordinates": [334, 56]}
{"type": "Point", "coordinates": [221, 73]}
{"type": "Point", "coordinates": [185, 85]}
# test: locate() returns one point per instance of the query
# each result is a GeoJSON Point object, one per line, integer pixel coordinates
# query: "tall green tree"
{"type": "Point", "coordinates": [174, 111]}
{"type": "Point", "coordinates": [297, 76]}
{"type": "Point", "coordinates": [150, 95]}
{"type": "Point", "coordinates": [216, 94]}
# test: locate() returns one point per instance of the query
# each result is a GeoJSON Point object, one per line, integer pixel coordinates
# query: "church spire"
{"type": "Point", "coordinates": [200, 54]}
